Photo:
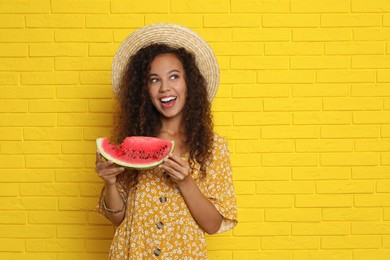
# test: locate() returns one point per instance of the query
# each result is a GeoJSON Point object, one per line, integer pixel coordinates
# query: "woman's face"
{"type": "Point", "coordinates": [167, 86]}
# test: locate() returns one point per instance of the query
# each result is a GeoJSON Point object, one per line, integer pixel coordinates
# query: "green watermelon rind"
{"type": "Point", "coordinates": [128, 165]}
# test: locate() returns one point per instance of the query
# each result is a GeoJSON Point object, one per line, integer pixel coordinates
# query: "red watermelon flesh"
{"type": "Point", "coordinates": [136, 152]}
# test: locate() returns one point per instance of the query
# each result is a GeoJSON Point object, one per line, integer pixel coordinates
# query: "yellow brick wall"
{"type": "Point", "coordinates": [304, 101]}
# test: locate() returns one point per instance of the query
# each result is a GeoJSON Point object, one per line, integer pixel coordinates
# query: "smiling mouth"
{"type": "Point", "coordinates": [168, 101]}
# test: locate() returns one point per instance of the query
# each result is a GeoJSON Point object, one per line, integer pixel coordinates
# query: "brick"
{"type": "Point", "coordinates": [372, 6]}
{"type": "Point", "coordinates": [231, 20]}
{"type": "Point", "coordinates": [55, 217]}
{"type": "Point", "coordinates": [223, 118]}
{"type": "Point", "coordinates": [350, 242]}
{"type": "Point", "coordinates": [58, 106]}
{"type": "Point", "coordinates": [13, 217]}
{"type": "Point", "coordinates": [13, 50]}
{"type": "Point", "coordinates": [29, 91]}
{"type": "Point", "coordinates": [371, 34]}
{"type": "Point", "coordinates": [42, 189]}
{"type": "Point", "coordinates": [263, 6]}
{"type": "Point", "coordinates": [289, 132]}
{"type": "Point", "coordinates": [54, 245]}
{"type": "Point", "coordinates": [78, 147]}
{"type": "Point", "coordinates": [244, 187]}
{"type": "Point", "coordinates": [264, 201]}
{"type": "Point", "coordinates": [291, 21]}
{"type": "Point", "coordinates": [354, 76]}
{"type": "Point", "coordinates": [322, 118]}
{"type": "Point", "coordinates": [102, 49]}
{"type": "Point", "coordinates": [385, 159]}
{"type": "Point", "coordinates": [385, 131]}
{"type": "Point", "coordinates": [246, 159]}
{"type": "Point", "coordinates": [13, 119]}
{"type": "Point", "coordinates": [386, 104]}
{"type": "Point", "coordinates": [26, 175]}
{"type": "Point", "coordinates": [320, 146]}
{"type": "Point", "coordinates": [88, 92]}
{"type": "Point", "coordinates": [370, 253]}
{"type": "Point", "coordinates": [372, 200]}
{"type": "Point", "coordinates": [385, 241]}
{"type": "Point", "coordinates": [187, 20]}
{"type": "Point", "coordinates": [77, 231]}
{"type": "Point", "coordinates": [13, 106]}
{"type": "Point", "coordinates": [372, 145]}
{"type": "Point", "coordinates": [345, 104]}
{"type": "Point", "coordinates": [58, 49]}
{"type": "Point", "coordinates": [80, 256]}
{"type": "Point", "coordinates": [386, 20]}
{"type": "Point", "coordinates": [285, 76]}
{"type": "Point", "coordinates": [285, 187]}
{"type": "Point", "coordinates": [322, 173]}
{"type": "Point", "coordinates": [386, 214]}
{"type": "Point", "coordinates": [25, 203]}
{"type": "Point", "coordinates": [92, 190]}
{"type": "Point", "coordinates": [84, 7]}
{"type": "Point", "coordinates": [321, 34]}
{"type": "Point", "coordinates": [28, 231]}
{"type": "Point", "coordinates": [97, 245]}
{"type": "Point", "coordinates": [341, 187]}
{"type": "Point", "coordinates": [83, 35]}
{"type": "Point", "coordinates": [32, 147]}
{"type": "Point", "coordinates": [262, 229]}
{"type": "Point", "coordinates": [354, 48]}
{"type": "Point", "coordinates": [54, 161]}
{"type": "Point", "coordinates": [7, 189]}
{"type": "Point", "coordinates": [48, 78]}
{"type": "Point", "coordinates": [9, 78]}
{"type": "Point", "coordinates": [82, 119]}
{"type": "Point", "coordinates": [323, 201]}
{"type": "Point", "coordinates": [349, 159]}
{"type": "Point", "coordinates": [76, 175]}
{"type": "Point", "coordinates": [121, 34]}
{"type": "Point", "coordinates": [314, 62]}
{"type": "Point", "coordinates": [370, 62]}
{"type": "Point", "coordinates": [264, 146]}
{"type": "Point", "coordinates": [76, 203]}
{"type": "Point", "coordinates": [101, 106]}
{"type": "Point", "coordinates": [260, 118]}
{"type": "Point", "coordinates": [200, 6]}
{"type": "Point", "coordinates": [12, 21]}
{"type": "Point", "coordinates": [260, 35]}
{"type": "Point", "coordinates": [114, 21]}
{"type": "Point", "coordinates": [92, 77]}
{"type": "Point", "coordinates": [370, 228]}
{"type": "Point", "coordinates": [292, 104]}
{"type": "Point", "coordinates": [253, 173]}
{"type": "Point", "coordinates": [293, 48]}
{"type": "Point", "coordinates": [349, 131]}
{"type": "Point", "coordinates": [260, 90]}
{"type": "Point", "coordinates": [26, 64]}
{"type": "Point", "coordinates": [351, 214]}
{"type": "Point", "coordinates": [12, 245]}
{"type": "Point", "coordinates": [232, 243]}
{"type": "Point", "coordinates": [371, 173]}
{"type": "Point", "coordinates": [264, 255]}
{"type": "Point", "coordinates": [289, 160]}
{"type": "Point", "coordinates": [371, 117]}
{"type": "Point", "coordinates": [148, 6]}
{"type": "Point", "coordinates": [25, 6]}
{"type": "Point", "coordinates": [258, 63]}
{"type": "Point", "coordinates": [220, 255]}
{"type": "Point", "coordinates": [238, 76]}
{"type": "Point", "coordinates": [370, 90]}
{"type": "Point", "coordinates": [52, 133]}
{"type": "Point", "coordinates": [236, 133]}
{"type": "Point", "coordinates": [292, 215]}
{"type": "Point", "coordinates": [223, 104]}
{"type": "Point", "coordinates": [383, 76]}
{"type": "Point", "coordinates": [288, 242]}
{"type": "Point", "coordinates": [55, 21]}
{"type": "Point", "coordinates": [323, 254]}
{"type": "Point", "coordinates": [319, 229]}
{"type": "Point", "coordinates": [251, 215]}
{"type": "Point", "coordinates": [325, 6]}
{"type": "Point", "coordinates": [26, 35]}
{"type": "Point", "coordinates": [96, 132]}
{"type": "Point", "coordinates": [11, 161]}
{"type": "Point", "coordinates": [351, 20]}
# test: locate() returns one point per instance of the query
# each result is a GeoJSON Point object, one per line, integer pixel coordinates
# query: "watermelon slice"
{"type": "Point", "coordinates": [136, 152]}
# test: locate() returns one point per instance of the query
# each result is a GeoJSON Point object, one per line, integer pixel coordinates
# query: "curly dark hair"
{"type": "Point", "coordinates": [136, 115]}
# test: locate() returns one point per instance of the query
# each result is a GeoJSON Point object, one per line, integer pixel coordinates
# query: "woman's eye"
{"type": "Point", "coordinates": [153, 80]}
{"type": "Point", "coordinates": [174, 76]}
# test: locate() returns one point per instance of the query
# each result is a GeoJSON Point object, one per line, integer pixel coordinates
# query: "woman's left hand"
{"type": "Point", "coordinates": [176, 168]}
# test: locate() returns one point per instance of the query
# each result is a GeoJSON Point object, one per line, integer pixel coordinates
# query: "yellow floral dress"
{"type": "Point", "coordinates": [158, 224]}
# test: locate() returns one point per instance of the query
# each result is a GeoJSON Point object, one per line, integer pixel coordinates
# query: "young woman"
{"type": "Point", "coordinates": [166, 83]}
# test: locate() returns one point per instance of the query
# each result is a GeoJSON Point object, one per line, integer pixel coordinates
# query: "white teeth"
{"type": "Point", "coordinates": [167, 99]}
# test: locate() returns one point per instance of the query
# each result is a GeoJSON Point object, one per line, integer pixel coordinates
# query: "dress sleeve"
{"type": "Point", "coordinates": [99, 209]}
{"type": "Point", "coordinates": [220, 190]}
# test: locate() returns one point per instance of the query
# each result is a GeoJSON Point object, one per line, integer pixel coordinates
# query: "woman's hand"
{"type": "Point", "coordinates": [176, 168]}
{"type": "Point", "coordinates": [107, 170]}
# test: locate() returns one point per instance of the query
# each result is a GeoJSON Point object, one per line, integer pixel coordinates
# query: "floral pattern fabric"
{"type": "Point", "coordinates": [157, 222]}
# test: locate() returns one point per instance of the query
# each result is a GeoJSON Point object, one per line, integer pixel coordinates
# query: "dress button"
{"type": "Point", "coordinates": [157, 252]}
{"type": "Point", "coordinates": [163, 199]}
{"type": "Point", "coordinates": [160, 225]}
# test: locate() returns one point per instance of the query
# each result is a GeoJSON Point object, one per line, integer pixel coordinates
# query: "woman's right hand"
{"type": "Point", "coordinates": [107, 170]}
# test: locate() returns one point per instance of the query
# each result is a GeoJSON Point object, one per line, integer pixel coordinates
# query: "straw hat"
{"type": "Point", "coordinates": [174, 36]}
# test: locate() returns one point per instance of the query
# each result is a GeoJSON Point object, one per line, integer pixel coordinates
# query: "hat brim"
{"type": "Point", "coordinates": [174, 36]}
